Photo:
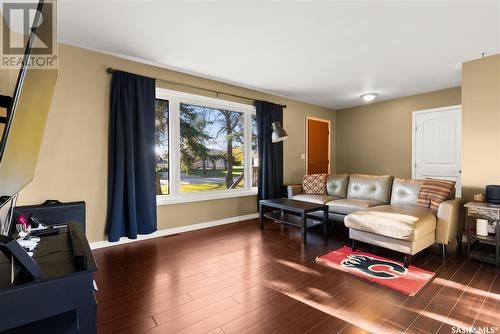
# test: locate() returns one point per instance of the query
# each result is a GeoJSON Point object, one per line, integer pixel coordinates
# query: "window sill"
{"type": "Point", "coordinates": [199, 197]}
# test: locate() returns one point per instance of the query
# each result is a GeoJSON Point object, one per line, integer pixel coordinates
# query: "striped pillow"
{"type": "Point", "coordinates": [434, 191]}
{"type": "Point", "coordinates": [314, 184]}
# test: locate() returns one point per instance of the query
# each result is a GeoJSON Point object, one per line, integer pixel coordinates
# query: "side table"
{"type": "Point", "coordinates": [480, 247]}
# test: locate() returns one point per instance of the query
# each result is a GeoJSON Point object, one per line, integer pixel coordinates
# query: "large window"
{"type": "Point", "coordinates": [212, 148]}
{"type": "Point", "coordinates": [206, 148]}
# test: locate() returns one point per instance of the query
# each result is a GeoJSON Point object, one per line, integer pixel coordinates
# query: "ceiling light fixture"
{"type": "Point", "coordinates": [368, 97]}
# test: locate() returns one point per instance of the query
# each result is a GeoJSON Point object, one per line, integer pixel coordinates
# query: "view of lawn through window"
{"type": "Point", "coordinates": [209, 148]}
{"type": "Point", "coordinates": [212, 148]}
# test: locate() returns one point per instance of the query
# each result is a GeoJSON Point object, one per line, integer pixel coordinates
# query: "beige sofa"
{"type": "Point", "coordinates": [383, 211]}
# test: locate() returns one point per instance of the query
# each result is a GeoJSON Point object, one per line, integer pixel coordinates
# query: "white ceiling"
{"type": "Point", "coordinates": [323, 52]}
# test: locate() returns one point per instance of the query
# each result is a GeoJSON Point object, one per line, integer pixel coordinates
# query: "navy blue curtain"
{"type": "Point", "coordinates": [270, 154]}
{"type": "Point", "coordinates": [131, 165]}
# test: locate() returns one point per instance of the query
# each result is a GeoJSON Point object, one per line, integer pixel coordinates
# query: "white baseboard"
{"type": "Point", "coordinates": [175, 230]}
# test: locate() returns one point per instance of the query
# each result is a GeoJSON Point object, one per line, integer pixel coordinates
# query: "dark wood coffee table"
{"type": "Point", "coordinates": [293, 212]}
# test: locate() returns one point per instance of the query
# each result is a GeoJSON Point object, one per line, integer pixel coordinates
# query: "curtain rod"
{"type": "Point", "coordinates": [111, 70]}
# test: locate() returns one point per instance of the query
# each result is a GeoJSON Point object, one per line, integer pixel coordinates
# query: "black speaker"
{"type": "Point", "coordinates": [493, 194]}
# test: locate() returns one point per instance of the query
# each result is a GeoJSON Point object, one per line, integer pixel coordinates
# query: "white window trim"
{"type": "Point", "coordinates": [174, 99]}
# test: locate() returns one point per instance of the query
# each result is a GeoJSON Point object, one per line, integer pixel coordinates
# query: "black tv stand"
{"type": "Point", "coordinates": [64, 292]}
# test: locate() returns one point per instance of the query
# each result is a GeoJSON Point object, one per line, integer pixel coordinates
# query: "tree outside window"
{"type": "Point", "coordinates": [211, 148]}
{"type": "Point", "coordinates": [161, 146]}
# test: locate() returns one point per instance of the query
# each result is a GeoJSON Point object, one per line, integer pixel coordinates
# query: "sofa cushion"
{"type": "Point", "coordinates": [434, 191]}
{"type": "Point", "coordinates": [405, 191]}
{"type": "Point", "coordinates": [336, 185]}
{"type": "Point", "coordinates": [404, 222]}
{"type": "Point", "coordinates": [319, 199]}
{"type": "Point", "coordinates": [346, 206]}
{"type": "Point", "coordinates": [314, 184]}
{"type": "Point", "coordinates": [370, 187]}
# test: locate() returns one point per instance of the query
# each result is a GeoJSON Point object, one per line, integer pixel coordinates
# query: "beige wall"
{"type": "Point", "coordinates": [73, 158]}
{"type": "Point", "coordinates": [480, 124]}
{"type": "Point", "coordinates": [376, 138]}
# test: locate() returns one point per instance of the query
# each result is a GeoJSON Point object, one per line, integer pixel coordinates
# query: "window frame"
{"type": "Point", "coordinates": [175, 98]}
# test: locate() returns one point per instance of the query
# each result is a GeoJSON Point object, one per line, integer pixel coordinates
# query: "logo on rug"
{"type": "Point", "coordinates": [383, 269]}
{"type": "Point", "coordinates": [386, 272]}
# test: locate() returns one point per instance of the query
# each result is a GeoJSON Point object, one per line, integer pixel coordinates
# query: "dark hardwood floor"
{"type": "Point", "coordinates": [238, 279]}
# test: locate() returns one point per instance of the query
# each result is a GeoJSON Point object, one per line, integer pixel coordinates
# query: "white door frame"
{"type": "Point", "coordinates": [413, 128]}
{"type": "Point", "coordinates": [329, 141]}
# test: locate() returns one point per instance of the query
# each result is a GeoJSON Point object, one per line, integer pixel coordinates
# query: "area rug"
{"type": "Point", "coordinates": [389, 273]}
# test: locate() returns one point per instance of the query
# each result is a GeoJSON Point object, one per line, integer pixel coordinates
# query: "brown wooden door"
{"type": "Point", "coordinates": [318, 146]}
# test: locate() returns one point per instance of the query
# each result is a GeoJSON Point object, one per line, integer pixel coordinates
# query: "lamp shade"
{"type": "Point", "coordinates": [279, 134]}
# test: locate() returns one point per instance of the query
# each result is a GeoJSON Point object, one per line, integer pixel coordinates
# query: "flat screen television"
{"type": "Point", "coordinates": [25, 123]}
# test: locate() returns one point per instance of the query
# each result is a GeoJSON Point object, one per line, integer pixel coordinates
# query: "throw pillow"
{"type": "Point", "coordinates": [314, 184]}
{"type": "Point", "coordinates": [434, 191]}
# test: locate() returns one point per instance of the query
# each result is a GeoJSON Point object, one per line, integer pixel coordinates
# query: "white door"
{"type": "Point", "coordinates": [437, 144]}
